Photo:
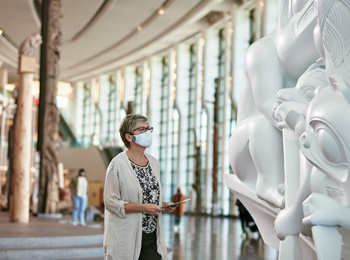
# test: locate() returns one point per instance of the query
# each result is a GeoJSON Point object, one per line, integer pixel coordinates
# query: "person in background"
{"type": "Point", "coordinates": [133, 197]}
{"type": "Point", "coordinates": [249, 227]}
{"type": "Point", "coordinates": [79, 187]}
{"type": "Point", "coordinates": [180, 210]}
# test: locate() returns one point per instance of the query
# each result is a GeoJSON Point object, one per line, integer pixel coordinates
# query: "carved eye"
{"type": "Point", "coordinates": [307, 92]}
{"type": "Point", "coordinates": [330, 148]}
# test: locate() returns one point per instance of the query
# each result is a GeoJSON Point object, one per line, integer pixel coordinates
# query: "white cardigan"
{"type": "Point", "coordinates": [123, 232]}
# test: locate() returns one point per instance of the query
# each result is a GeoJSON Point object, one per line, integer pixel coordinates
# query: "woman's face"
{"type": "Point", "coordinates": [141, 135]}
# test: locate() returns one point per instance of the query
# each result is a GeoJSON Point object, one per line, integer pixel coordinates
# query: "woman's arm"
{"type": "Point", "coordinates": [112, 197]}
{"type": "Point", "coordinates": [151, 209]}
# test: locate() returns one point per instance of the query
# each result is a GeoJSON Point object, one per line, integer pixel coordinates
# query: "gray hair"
{"type": "Point", "coordinates": [128, 124]}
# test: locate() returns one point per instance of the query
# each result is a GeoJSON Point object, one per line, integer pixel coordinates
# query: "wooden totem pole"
{"type": "Point", "coordinates": [48, 125]}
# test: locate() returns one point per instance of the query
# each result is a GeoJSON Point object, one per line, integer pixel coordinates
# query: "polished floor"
{"type": "Point", "coordinates": [199, 238]}
{"type": "Point", "coordinates": [213, 238]}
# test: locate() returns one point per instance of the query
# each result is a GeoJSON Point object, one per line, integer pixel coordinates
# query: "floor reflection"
{"type": "Point", "coordinates": [208, 238]}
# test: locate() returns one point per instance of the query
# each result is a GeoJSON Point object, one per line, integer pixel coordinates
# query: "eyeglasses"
{"type": "Point", "coordinates": [143, 129]}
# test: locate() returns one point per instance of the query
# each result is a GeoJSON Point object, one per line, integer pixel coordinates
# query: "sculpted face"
{"type": "Point", "coordinates": [304, 90]}
{"type": "Point", "coordinates": [326, 142]}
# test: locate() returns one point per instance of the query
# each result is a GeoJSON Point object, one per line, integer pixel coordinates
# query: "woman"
{"type": "Point", "coordinates": [180, 211]}
{"type": "Point", "coordinates": [132, 197]}
{"type": "Point", "coordinates": [79, 186]}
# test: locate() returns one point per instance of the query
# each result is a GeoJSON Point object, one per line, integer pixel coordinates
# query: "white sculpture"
{"type": "Point", "coordinates": [272, 63]}
{"type": "Point", "coordinates": [291, 114]}
{"type": "Point", "coordinates": [316, 109]}
{"type": "Point", "coordinates": [323, 200]}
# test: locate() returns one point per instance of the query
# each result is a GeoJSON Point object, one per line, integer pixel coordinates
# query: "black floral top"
{"type": "Point", "coordinates": [150, 194]}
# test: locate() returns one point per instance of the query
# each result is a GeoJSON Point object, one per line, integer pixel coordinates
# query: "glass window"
{"type": "Point", "coordinates": [138, 90]}
{"type": "Point", "coordinates": [219, 124]}
{"type": "Point", "coordinates": [62, 102]}
{"type": "Point", "coordinates": [203, 137]}
{"type": "Point", "coordinates": [96, 138]}
{"type": "Point", "coordinates": [164, 108]}
{"type": "Point", "coordinates": [122, 114]}
{"type": "Point", "coordinates": [174, 148]}
{"type": "Point", "coordinates": [112, 112]}
{"type": "Point", "coordinates": [191, 118]}
{"type": "Point", "coordinates": [86, 138]}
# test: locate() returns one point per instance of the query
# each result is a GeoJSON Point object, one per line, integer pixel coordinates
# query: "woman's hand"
{"type": "Point", "coordinates": [169, 209]}
{"type": "Point", "coordinates": [152, 209]}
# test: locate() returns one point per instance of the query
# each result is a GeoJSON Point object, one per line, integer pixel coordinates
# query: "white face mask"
{"type": "Point", "coordinates": [144, 139]}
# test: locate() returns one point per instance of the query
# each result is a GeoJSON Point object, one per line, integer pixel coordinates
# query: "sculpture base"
{"type": "Point", "coordinates": [264, 216]}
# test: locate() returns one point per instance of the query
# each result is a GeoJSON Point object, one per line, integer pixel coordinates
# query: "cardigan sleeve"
{"type": "Point", "coordinates": [112, 195]}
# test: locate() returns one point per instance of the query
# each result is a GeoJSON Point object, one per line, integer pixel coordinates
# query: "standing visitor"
{"type": "Point", "coordinates": [133, 197]}
{"type": "Point", "coordinates": [180, 210]}
{"type": "Point", "coordinates": [79, 186]}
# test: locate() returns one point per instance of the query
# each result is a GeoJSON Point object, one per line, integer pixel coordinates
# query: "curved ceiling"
{"type": "Point", "coordinates": [101, 35]}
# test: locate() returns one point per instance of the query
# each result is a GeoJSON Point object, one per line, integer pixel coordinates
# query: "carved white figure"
{"type": "Point", "coordinates": [323, 200]}
{"type": "Point", "coordinates": [291, 114]}
{"type": "Point", "coordinates": [271, 64]}
{"type": "Point", "coordinates": [292, 103]}
{"type": "Point", "coordinates": [30, 44]}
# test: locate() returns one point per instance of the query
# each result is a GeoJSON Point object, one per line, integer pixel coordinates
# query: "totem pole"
{"type": "Point", "coordinates": [48, 135]}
